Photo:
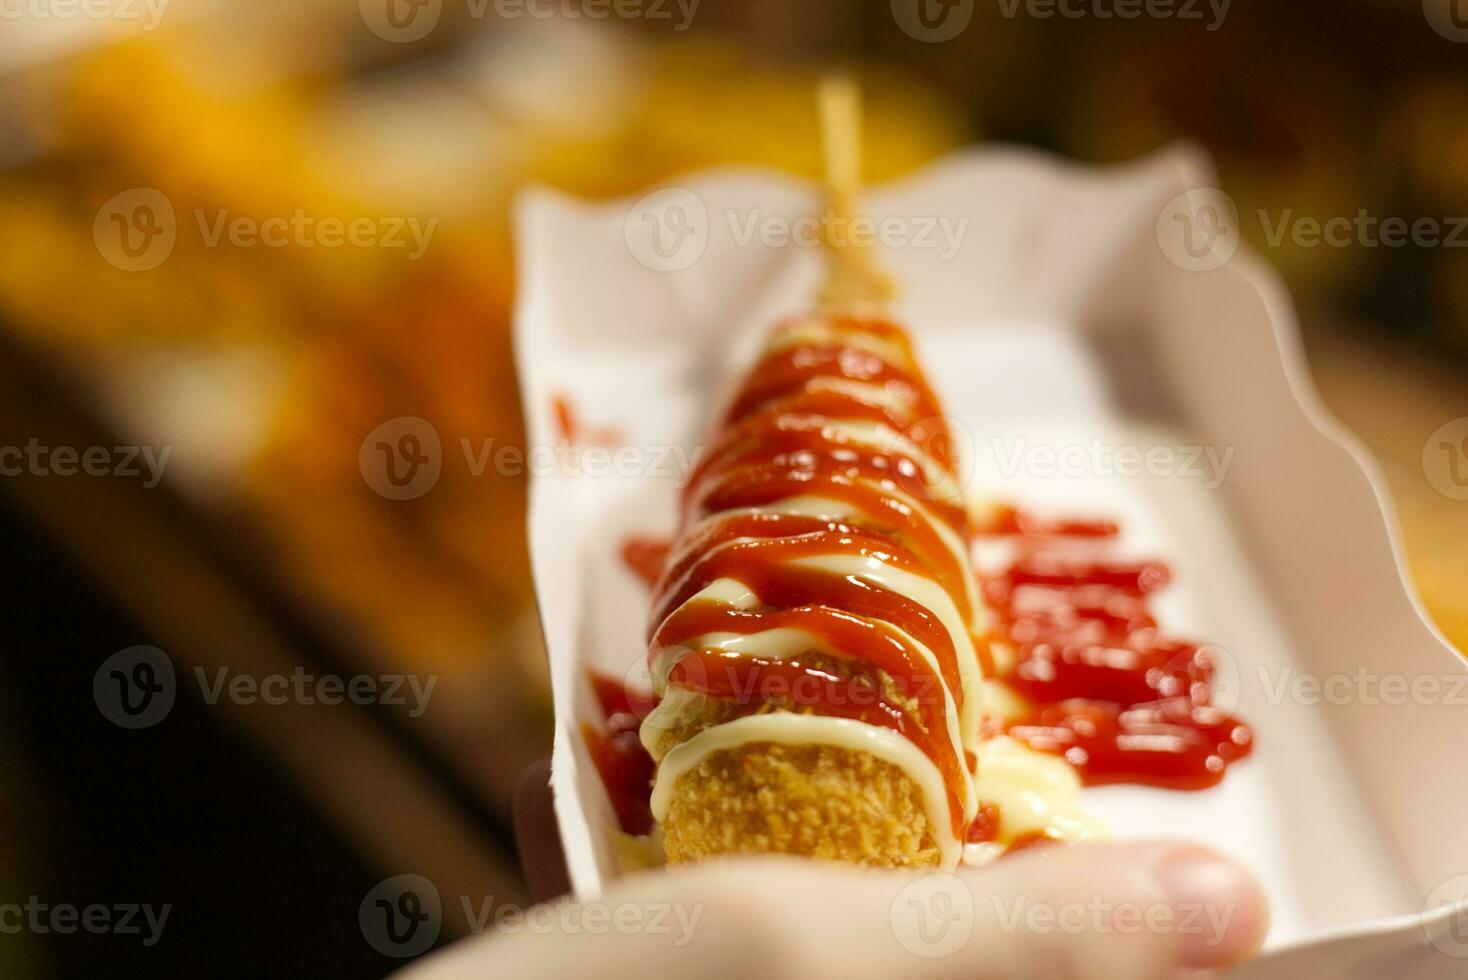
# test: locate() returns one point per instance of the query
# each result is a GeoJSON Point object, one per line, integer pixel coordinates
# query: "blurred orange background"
{"type": "Point", "coordinates": [265, 368]}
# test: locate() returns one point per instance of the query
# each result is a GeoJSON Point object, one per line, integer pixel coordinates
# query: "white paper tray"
{"type": "Point", "coordinates": [1059, 320]}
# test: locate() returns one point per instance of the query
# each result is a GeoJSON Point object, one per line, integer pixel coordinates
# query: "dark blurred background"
{"type": "Point", "coordinates": [169, 285]}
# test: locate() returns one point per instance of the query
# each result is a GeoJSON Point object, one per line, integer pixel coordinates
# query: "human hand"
{"type": "Point", "coordinates": [1103, 911]}
{"type": "Point", "coordinates": [1123, 911]}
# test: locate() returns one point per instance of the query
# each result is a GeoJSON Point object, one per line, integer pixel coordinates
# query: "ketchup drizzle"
{"type": "Point", "coordinates": [1118, 700]}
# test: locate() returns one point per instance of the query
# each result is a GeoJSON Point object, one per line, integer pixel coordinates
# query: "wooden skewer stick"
{"type": "Point", "coordinates": [854, 284]}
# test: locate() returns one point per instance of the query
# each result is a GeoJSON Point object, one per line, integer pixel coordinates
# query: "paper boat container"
{"type": "Point", "coordinates": [1054, 307]}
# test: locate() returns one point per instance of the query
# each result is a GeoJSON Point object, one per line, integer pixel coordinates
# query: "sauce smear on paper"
{"type": "Point", "coordinates": [645, 557]}
{"type": "Point", "coordinates": [625, 767]}
{"type": "Point", "coordinates": [1108, 691]}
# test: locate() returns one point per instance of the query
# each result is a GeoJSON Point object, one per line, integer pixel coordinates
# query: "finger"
{"type": "Point", "coordinates": [1108, 912]}
{"type": "Point", "coordinates": [1113, 911]}
{"type": "Point", "coordinates": [1119, 912]}
{"type": "Point", "coordinates": [538, 836]}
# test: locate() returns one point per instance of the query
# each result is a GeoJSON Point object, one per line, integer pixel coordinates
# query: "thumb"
{"type": "Point", "coordinates": [1113, 911]}
{"type": "Point", "coordinates": [1104, 911]}
{"type": "Point", "coordinates": [1090, 912]}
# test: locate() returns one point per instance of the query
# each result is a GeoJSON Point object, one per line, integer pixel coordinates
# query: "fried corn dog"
{"type": "Point", "coordinates": [814, 648]}
{"type": "Point", "coordinates": [813, 638]}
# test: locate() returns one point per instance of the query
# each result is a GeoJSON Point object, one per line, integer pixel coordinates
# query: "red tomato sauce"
{"type": "Point", "coordinates": [1119, 700]}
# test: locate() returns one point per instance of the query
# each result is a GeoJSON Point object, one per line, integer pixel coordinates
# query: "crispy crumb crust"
{"type": "Point", "coordinates": [816, 801]}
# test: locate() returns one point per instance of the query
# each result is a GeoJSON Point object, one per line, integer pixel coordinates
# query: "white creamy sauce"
{"type": "Point", "coordinates": [792, 729]}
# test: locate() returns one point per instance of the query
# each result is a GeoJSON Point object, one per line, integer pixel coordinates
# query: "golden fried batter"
{"type": "Point", "coordinates": [813, 800]}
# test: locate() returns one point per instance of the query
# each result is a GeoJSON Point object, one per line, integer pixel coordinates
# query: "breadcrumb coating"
{"type": "Point", "coordinates": [816, 801]}
{"type": "Point", "coordinates": [812, 800]}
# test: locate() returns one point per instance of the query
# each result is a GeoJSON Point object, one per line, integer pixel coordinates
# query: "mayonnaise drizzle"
{"type": "Point", "coordinates": [1035, 793]}
{"type": "Point", "coordinates": [785, 643]}
{"type": "Point", "coordinates": [813, 332]}
{"type": "Point", "coordinates": [793, 729]}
